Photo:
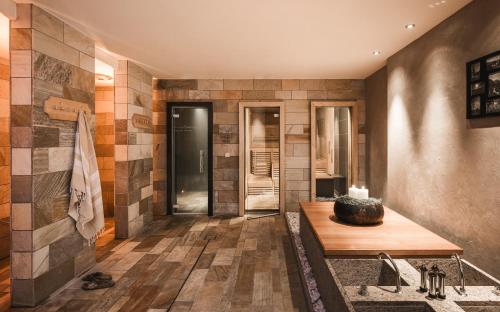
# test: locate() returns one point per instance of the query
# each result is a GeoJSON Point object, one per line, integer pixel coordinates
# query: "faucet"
{"type": "Point", "coordinates": [398, 277]}
{"type": "Point", "coordinates": [462, 291]}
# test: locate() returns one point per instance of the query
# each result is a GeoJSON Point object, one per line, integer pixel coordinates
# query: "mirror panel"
{"type": "Point", "coordinates": [332, 151]}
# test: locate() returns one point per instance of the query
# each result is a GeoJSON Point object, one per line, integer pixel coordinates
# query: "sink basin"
{"type": "Point", "coordinates": [388, 306]}
{"type": "Point", "coordinates": [472, 276]}
{"type": "Point", "coordinates": [354, 272]}
{"type": "Point", "coordinates": [479, 306]}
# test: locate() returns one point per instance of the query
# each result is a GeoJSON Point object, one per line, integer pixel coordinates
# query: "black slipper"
{"type": "Point", "coordinates": [96, 276]}
{"type": "Point", "coordinates": [98, 285]}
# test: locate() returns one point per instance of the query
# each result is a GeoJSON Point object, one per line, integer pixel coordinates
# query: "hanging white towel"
{"type": "Point", "coordinates": [85, 205]}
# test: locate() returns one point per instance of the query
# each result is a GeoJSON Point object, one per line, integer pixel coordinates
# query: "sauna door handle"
{"type": "Point", "coordinates": [202, 161]}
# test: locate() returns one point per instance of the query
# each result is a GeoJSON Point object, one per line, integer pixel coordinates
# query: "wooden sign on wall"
{"type": "Point", "coordinates": [64, 109]}
{"type": "Point", "coordinates": [142, 121]}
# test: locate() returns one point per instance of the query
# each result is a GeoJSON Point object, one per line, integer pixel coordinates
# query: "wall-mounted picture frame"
{"type": "Point", "coordinates": [483, 86]}
{"type": "Point", "coordinates": [477, 88]}
{"type": "Point", "coordinates": [493, 62]}
{"type": "Point", "coordinates": [494, 84]}
{"type": "Point", "coordinates": [475, 106]}
{"type": "Point", "coordinates": [493, 106]}
{"type": "Point", "coordinates": [475, 71]}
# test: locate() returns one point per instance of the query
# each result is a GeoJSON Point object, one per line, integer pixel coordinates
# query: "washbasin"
{"type": "Point", "coordinates": [479, 306]}
{"type": "Point", "coordinates": [391, 306]}
{"type": "Point", "coordinates": [472, 276]}
{"type": "Point", "coordinates": [354, 272]}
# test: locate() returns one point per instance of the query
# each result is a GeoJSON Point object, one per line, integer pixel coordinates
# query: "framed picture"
{"type": "Point", "coordinates": [493, 106]}
{"type": "Point", "coordinates": [483, 86]}
{"type": "Point", "coordinates": [475, 71]}
{"type": "Point", "coordinates": [493, 62]}
{"type": "Point", "coordinates": [494, 84]}
{"type": "Point", "coordinates": [475, 106]}
{"type": "Point", "coordinates": [477, 88]}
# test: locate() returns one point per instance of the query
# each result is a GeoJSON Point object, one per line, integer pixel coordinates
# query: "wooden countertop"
{"type": "Point", "coordinates": [397, 235]}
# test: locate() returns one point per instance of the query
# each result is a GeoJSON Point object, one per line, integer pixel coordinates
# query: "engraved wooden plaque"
{"type": "Point", "coordinates": [142, 121]}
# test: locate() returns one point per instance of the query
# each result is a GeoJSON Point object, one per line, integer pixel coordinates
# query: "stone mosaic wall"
{"type": "Point", "coordinates": [105, 145]}
{"type": "Point", "coordinates": [4, 159]}
{"type": "Point", "coordinates": [48, 58]}
{"type": "Point", "coordinates": [133, 151]}
{"type": "Point", "coordinates": [225, 96]}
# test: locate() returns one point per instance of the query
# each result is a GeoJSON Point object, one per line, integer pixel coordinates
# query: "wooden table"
{"type": "Point", "coordinates": [397, 235]}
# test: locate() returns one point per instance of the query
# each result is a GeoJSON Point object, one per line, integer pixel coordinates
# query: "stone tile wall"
{"type": "Point", "coordinates": [105, 145]}
{"type": "Point", "coordinates": [225, 96]}
{"type": "Point", "coordinates": [4, 159]}
{"type": "Point", "coordinates": [48, 58]}
{"type": "Point", "coordinates": [133, 151]}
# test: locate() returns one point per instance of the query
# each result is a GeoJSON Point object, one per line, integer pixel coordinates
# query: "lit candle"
{"type": "Point", "coordinates": [362, 193]}
{"type": "Point", "coordinates": [353, 191]}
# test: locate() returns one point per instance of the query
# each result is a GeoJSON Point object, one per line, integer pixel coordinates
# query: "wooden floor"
{"type": "Point", "coordinates": [194, 264]}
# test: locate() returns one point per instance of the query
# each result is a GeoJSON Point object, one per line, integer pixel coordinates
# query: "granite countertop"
{"type": "Point", "coordinates": [476, 295]}
{"type": "Point", "coordinates": [304, 267]}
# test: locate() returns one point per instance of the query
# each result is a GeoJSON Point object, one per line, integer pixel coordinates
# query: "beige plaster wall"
{"type": "Point", "coordinates": [376, 133]}
{"type": "Point", "coordinates": [443, 171]}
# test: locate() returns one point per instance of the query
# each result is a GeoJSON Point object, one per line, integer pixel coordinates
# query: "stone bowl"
{"type": "Point", "coordinates": [359, 211]}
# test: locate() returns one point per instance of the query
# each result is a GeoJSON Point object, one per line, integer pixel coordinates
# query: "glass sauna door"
{"type": "Point", "coordinates": [189, 170]}
{"type": "Point", "coordinates": [262, 162]}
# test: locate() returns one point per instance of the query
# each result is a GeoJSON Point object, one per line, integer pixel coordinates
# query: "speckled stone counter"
{"type": "Point", "coordinates": [306, 274]}
{"type": "Point", "coordinates": [334, 284]}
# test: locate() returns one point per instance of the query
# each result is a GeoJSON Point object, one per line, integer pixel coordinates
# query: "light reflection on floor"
{"type": "Point", "coordinates": [192, 202]}
{"type": "Point", "coordinates": [266, 201]}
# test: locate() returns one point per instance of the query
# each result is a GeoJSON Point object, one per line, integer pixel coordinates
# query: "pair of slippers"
{"type": "Point", "coordinates": [97, 280]}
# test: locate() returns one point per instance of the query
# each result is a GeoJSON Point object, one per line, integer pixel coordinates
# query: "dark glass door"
{"type": "Point", "coordinates": [189, 153]}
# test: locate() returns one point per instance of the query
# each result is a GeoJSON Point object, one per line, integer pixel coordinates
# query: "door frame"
{"type": "Point", "coordinates": [209, 106]}
{"type": "Point", "coordinates": [353, 149]}
{"type": "Point", "coordinates": [242, 180]}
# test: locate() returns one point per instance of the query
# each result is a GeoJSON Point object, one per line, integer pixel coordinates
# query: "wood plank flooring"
{"type": "Point", "coordinates": [194, 263]}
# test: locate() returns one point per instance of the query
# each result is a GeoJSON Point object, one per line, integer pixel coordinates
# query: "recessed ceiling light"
{"type": "Point", "coordinates": [376, 52]}
{"type": "Point", "coordinates": [435, 4]}
{"type": "Point", "coordinates": [409, 26]}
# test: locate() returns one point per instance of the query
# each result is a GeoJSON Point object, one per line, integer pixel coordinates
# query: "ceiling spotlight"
{"type": "Point", "coordinates": [435, 4]}
{"type": "Point", "coordinates": [376, 52]}
{"type": "Point", "coordinates": [409, 26]}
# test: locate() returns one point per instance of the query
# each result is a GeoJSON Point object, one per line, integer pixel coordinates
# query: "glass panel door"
{"type": "Point", "coordinates": [190, 159]}
{"type": "Point", "coordinates": [262, 170]}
